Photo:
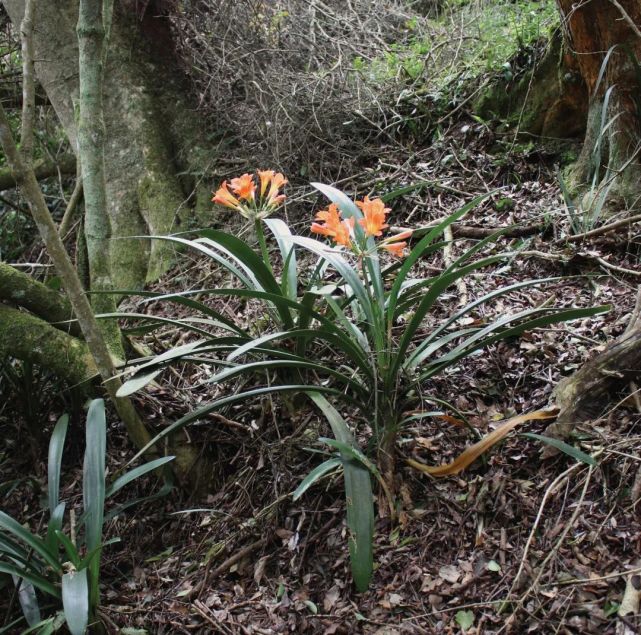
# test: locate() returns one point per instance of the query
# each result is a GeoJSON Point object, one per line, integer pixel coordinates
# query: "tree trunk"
{"type": "Point", "coordinates": [609, 160]}
{"type": "Point", "coordinates": [91, 29]}
{"type": "Point", "coordinates": [155, 141]}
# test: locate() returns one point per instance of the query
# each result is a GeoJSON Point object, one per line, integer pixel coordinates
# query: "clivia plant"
{"type": "Point", "coordinates": [65, 565]}
{"type": "Point", "coordinates": [358, 325]}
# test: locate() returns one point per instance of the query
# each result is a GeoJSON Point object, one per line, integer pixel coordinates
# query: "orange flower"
{"type": "Point", "coordinates": [273, 197]}
{"type": "Point", "coordinates": [266, 177]}
{"type": "Point", "coordinates": [244, 186]}
{"type": "Point", "coordinates": [396, 249]}
{"type": "Point", "coordinates": [374, 212]}
{"type": "Point", "coordinates": [344, 233]}
{"type": "Point", "coordinates": [331, 216]}
{"type": "Point", "coordinates": [396, 244]}
{"type": "Point", "coordinates": [224, 197]}
{"type": "Point", "coordinates": [339, 230]}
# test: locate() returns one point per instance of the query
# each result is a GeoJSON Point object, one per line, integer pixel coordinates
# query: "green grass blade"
{"type": "Point", "coordinates": [315, 474]}
{"type": "Point", "coordinates": [54, 463]}
{"type": "Point", "coordinates": [566, 448]}
{"type": "Point", "coordinates": [75, 601]}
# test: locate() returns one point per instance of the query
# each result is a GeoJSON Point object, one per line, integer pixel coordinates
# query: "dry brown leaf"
{"type": "Point", "coordinates": [474, 451]}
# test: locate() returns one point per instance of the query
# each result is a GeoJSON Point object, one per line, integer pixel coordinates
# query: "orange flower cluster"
{"type": "Point", "coordinates": [341, 230]}
{"type": "Point", "coordinates": [243, 194]}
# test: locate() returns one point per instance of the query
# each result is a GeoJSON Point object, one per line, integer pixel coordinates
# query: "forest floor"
{"type": "Point", "coordinates": [516, 543]}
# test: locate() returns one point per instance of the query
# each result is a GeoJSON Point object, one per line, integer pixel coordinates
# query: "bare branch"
{"type": "Point", "coordinates": [28, 82]}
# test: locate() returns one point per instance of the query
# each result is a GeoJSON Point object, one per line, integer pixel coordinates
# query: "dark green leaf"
{"type": "Point", "coordinates": [315, 474]}
{"type": "Point", "coordinates": [566, 448]}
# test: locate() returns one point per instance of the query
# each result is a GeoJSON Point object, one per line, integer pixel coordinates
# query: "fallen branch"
{"type": "Point", "coordinates": [599, 230]}
{"type": "Point", "coordinates": [21, 290]}
{"type": "Point", "coordinates": [43, 169]}
{"type": "Point", "coordinates": [27, 337]}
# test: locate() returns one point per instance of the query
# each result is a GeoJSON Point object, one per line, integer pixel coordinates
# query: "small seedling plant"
{"type": "Point", "coordinates": [353, 334]}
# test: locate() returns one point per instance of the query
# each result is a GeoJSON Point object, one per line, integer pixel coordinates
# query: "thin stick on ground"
{"type": "Point", "coordinates": [548, 492]}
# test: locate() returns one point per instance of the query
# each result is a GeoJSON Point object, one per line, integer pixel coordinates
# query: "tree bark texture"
{"type": "Point", "coordinates": [155, 151]}
{"type": "Point", "coordinates": [593, 30]}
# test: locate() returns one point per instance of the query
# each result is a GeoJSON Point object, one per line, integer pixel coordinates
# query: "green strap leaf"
{"type": "Point", "coordinates": [54, 463]}
{"type": "Point", "coordinates": [315, 474]}
{"type": "Point", "coordinates": [38, 581]}
{"type": "Point", "coordinates": [37, 544]}
{"type": "Point", "coordinates": [28, 600]}
{"type": "Point", "coordinates": [359, 498]}
{"type": "Point", "coordinates": [440, 284]}
{"type": "Point", "coordinates": [419, 250]}
{"type": "Point", "coordinates": [566, 448]}
{"type": "Point", "coordinates": [93, 489]}
{"type": "Point", "coordinates": [345, 269]}
{"type": "Point", "coordinates": [283, 236]}
{"type": "Point", "coordinates": [199, 413]}
{"type": "Point", "coordinates": [351, 210]}
{"type": "Point", "coordinates": [55, 524]}
{"type": "Point", "coordinates": [298, 363]}
{"type": "Point", "coordinates": [419, 354]}
{"type": "Point", "coordinates": [70, 549]}
{"type": "Point", "coordinates": [75, 600]}
{"type": "Point", "coordinates": [495, 332]}
{"type": "Point", "coordinates": [137, 472]}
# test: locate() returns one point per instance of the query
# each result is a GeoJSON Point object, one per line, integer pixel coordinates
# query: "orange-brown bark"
{"type": "Point", "coordinates": [592, 29]}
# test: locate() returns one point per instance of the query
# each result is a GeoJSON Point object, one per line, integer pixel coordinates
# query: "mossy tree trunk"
{"type": "Point", "coordinates": [594, 31]}
{"type": "Point", "coordinates": [156, 148]}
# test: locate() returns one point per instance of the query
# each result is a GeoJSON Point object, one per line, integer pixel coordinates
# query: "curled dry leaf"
{"type": "Point", "coordinates": [472, 453]}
